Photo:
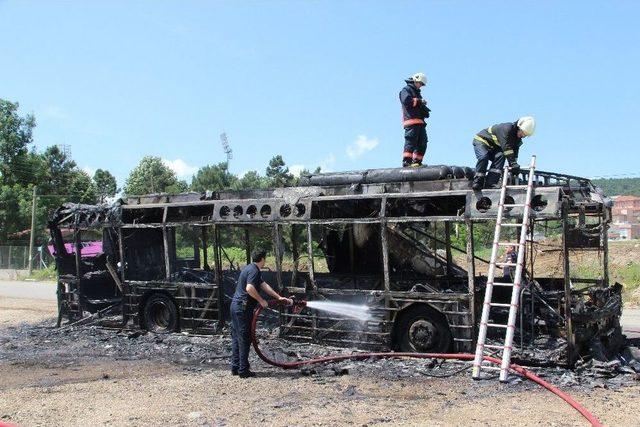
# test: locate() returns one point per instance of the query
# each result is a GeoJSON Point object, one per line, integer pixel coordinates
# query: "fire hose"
{"type": "Point", "coordinates": [397, 355]}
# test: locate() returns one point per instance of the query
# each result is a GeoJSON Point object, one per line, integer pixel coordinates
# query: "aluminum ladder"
{"type": "Point", "coordinates": [510, 327]}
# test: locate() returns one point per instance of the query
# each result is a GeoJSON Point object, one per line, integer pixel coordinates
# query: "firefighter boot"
{"type": "Point", "coordinates": [478, 182]}
{"type": "Point", "coordinates": [492, 180]}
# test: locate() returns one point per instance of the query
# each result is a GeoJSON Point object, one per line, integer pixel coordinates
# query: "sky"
{"type": "Point", "coordinates": [318, 81]}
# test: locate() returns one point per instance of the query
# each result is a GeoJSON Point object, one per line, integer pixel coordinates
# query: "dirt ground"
{"type": "Point", "coordinates": [84, 378]}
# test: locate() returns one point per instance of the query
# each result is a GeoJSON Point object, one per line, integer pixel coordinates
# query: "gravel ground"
{"type": "Point", "coordinates": [93, 376]}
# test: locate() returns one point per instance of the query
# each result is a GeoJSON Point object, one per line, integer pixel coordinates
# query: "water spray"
{"type": "Point", "coordinates": [359, 312]}
{"type": "Point", "coordinates": [298, 305]}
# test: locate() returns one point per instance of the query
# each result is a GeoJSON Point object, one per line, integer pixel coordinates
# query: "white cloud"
{"type": "Point", "coordinates": [296, 169]}
{"type": "Point", "coordinates": [180, 167]}
{"type": "Point", "coordinates": [90, 171]}
{"type": "Point", "coordinates": [361, 145]}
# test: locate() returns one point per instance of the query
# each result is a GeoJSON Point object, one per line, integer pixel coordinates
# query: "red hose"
{"type": "Point", "coordinates": [393, 355]}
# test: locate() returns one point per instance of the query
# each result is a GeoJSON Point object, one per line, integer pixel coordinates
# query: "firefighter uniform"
{"type": "Point", "coordinates": [414, 111]}
{"type": "Point", "coordinates": [495, 144]}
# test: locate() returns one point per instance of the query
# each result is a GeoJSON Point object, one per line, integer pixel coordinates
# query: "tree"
{"type": "Point", "coordinates": [61, 180]}
{"type": "Point", "coordinates": [18, 168]}
{"type": "Point", "coordinates": [56, 176]}
{"type": "Point", "coordinates": [81, 188]}
{"type": "Point", "coordinates": [152, 176]}
{"type": "Point", "coordinates": [251, 180]}
{"type": "Point", "coordinates": [105, 184]}
{"type": "Point", "coordinates": [278, 173]}
{"type": "Point", "coordinates": [12, 216]}
{"type": "Point", "coordinates": [213, 177]}
{"type": "Point", "coordinates": [16, 133]}
{"type": "Point", "coordinates": [56, 171]}
{"type": "Point", "coordinates": [619, 186]}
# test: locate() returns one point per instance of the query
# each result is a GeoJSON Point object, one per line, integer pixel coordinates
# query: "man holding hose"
{"type": "Point", "coordinates": [245, 300]}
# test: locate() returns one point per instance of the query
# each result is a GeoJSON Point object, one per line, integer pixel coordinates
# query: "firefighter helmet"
{"type": "Point", "coordinates": [527, 125]}
{"type": "Point", "coordinates": [419, 78]}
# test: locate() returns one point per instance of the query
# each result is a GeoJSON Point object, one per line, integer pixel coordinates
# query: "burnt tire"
{"type": "Point", "coordinates": [423, 329]}
{"type": "Point", "coordinates": [159, 314]}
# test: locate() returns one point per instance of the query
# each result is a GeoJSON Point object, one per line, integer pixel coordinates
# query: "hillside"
{"type": "Point", "coordinates": [619, 186]}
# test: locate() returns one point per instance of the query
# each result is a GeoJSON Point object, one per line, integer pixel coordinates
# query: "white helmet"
{"type": "Point", "coordinates": [527, 125]}
{"type": "Point", "coordinates": [419, 77]}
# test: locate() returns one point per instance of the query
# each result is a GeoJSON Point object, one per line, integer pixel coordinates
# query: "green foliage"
{"type": "Point", "coordinates": [16, 134]}
{"type": "Point", "coordinates": [152, 176]}
{"type": "Point", "coordinates": [14, 209]}
{"type": "Point", "coordinates": [251, 180]}
{"type": "Point", "coordinates": [619, 186]}
{"type": "Point", "coordinates": [214, 177]}
{"type": "Point", "coordinates": [56, 176]}
{"type": "Point", "coordinates": [82, 188]}
{"type": "Point", "coordinates": [44, 274]}
{"type": "Point", "coordinates": [278, 173]}
{"type": "Point", "coordinates": [105, 184]}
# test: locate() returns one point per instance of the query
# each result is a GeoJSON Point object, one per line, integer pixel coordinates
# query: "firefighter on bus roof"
{"type": "Point", "coordinates": [414, 111]}
{"type": "Point", "coordinates": [495, 144]}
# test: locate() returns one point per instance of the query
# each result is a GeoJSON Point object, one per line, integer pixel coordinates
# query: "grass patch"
{"type": "Point", "coordinates": [628, 275]}
{"type": "Point", "coordinates": [44, 274]}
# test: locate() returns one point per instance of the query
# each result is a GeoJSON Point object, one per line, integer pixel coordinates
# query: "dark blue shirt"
{"type": "Point", "coordinates": [250, 273]}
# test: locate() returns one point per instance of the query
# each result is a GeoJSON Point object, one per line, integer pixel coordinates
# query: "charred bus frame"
{"type": "Point", "coordinates": [141, 271]}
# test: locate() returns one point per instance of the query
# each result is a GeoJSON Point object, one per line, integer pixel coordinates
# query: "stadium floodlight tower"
{"type": "Point", "coordinates": [226, 147]}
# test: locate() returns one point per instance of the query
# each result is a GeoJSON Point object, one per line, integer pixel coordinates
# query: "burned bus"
{"type": "Point", "coordinates": [408, 243]}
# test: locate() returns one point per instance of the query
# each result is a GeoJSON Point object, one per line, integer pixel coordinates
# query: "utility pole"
{"type": "Point", "coordinates": [33, 227]}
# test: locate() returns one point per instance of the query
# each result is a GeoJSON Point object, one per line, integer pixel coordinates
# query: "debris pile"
{"type": "Point", "coordinates": [79, 345]}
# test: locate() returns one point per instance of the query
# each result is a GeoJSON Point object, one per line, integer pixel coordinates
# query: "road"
{"type": "Point", "coordinates": [47, 291]}
{"type": "Point", "coordinates": [34, 290]}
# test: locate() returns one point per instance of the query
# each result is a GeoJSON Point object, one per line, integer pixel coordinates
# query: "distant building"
{"type": "Point", "coordinates": [626, 218]}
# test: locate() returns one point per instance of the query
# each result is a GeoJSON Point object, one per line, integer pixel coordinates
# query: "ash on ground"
{"type": "Point", "coordinates": [46, 345]}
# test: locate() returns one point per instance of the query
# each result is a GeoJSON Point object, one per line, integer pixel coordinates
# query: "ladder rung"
{"type": "Point", "coordinates": [507, 244]}
{"type": "Point", "coordinates": [506, 264]}
{"type": "Point", "coordinates": [514, 205]}
{"type": "Point", "coordinates": [511, 224]}
{"type": "Point", "coordinates": [497, 325]}
{"type": "Point", "coordinates": [499, 304]}
{"type": "Point", "coordinates": [502, 284]}
{"type": "Point", "coordinates": [518, 186]}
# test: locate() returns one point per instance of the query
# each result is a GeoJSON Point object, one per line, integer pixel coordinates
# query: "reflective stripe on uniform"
{"type": "Point", "coordinates": [415, 102]}
{"type": "Point", "coordinates": [481, 139]}
{"type": "Point", "coordinates": [507, 152]}
{"type": "Point", "coordinates": [410, 122]}
{"type": "Point", "coordinates": [407, 154]}
{"type": "Point", "coordinates": [417, 156]}
{"type": "Point", "coordinates": [480, 174]}
{"type": "Point", "coordinates": [495, 138]}
{"type": "Point", "coordinates": [495, 170]}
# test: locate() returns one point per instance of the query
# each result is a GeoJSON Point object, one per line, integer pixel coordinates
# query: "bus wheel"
{"type": "Point", "coordinates": [423, 329]}
{"type": "Point", "coordinates": [160, 314]}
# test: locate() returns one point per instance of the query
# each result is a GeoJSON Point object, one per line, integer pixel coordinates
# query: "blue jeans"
{"type": "Point", "coordinates": [241, 317]}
